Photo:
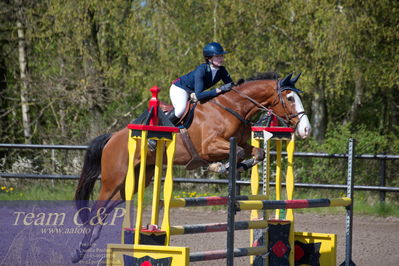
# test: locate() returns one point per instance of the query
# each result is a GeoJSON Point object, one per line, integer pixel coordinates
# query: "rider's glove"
{"type": "Point", "coordinates": [193, 97]}
{"type": "Point", "coordinates": [225, 88]}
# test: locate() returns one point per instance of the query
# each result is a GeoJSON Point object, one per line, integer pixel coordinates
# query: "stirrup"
{"type": "Point", "coordinates": [152, 144]}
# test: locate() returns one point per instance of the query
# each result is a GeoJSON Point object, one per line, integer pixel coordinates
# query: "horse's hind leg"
{"type": "Point", "coordinates": [107, 200]}
{"type": "Point", "coordinates": [98, 215]}
{"type": "Point", "coordinates": [111, 195]}
{"type": "Point", "coordinates": [101, 214]}
{"type": "Point", "coordinates": [104, 205]}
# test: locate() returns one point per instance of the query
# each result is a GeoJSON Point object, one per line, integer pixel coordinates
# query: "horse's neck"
{"type": "Point", "coordinates": [261, 91]}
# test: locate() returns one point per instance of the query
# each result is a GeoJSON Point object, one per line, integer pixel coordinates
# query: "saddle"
{"type": "Point", "coordinates": [184, 123]}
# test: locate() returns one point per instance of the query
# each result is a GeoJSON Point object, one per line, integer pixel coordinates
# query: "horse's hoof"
{"type": "Point", "coordinates": [77, 255]}
{"type": "Point", "coordinates": [218, 167]}
{"type": "Point", "coordinates": [259, 154]}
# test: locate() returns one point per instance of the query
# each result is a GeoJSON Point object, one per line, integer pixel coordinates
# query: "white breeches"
{"type": "Point", "coordinates": [179, 98]}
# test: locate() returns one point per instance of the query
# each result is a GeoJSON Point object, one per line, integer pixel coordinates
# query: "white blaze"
{"type": "Point", "coordinates": [303, 128]}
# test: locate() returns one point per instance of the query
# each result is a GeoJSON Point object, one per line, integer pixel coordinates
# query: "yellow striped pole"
{"type": "Point", "coordinates": [210, 201]}
{"type": "Point", "coordinates": [216, 227]}
{"type": "Point", "coordinates": [246, 205]}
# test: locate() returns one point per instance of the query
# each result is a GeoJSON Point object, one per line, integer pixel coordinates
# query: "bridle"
{"type": "Point", "coordinates": [287, 119]}
{"type": "Point", "coordinates": [297, 91]}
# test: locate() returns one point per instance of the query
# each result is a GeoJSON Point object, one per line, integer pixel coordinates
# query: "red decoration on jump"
{"type": "Point", "coordinates": [153, 119]}
{"type": "Point", "coordinates": [279, 249]}
{"type": "Point", "coordinates": [297, 204]}
{"type": "Point", "coordinates": [274, 122]}
{"type": "Point", "coordinates": [299, 253]}
{"type": "Point", "coordinates": [154, 103]}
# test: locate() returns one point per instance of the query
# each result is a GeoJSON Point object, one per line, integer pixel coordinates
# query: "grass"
{"type": "Point", "coordinates": [366, 203]}
{"type": "Point", "coordinates": [41, 190]}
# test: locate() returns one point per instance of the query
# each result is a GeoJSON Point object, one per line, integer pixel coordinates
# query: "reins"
{"type": "Point", "coordinates": [260, 106]}
{"type": "Point", "coordinates": [239, 117]}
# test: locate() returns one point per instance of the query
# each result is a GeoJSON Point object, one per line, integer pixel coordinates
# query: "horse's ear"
{"type": "Point", "coordinates": [294, 80]}
{"type": "Point", "coordinates": [286, 81]}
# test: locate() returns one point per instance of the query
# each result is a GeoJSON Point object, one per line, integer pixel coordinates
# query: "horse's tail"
{"type": "Point", "coordinates": [90, 172]}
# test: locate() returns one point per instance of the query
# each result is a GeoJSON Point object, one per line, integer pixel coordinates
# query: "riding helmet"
{"type": "Point", "coordinates": [212, 49]}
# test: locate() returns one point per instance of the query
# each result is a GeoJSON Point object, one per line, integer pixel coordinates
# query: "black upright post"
{"type": "Point", "coordinates": [382, 179]}
{"type": "Point", "coordinates": [238, 187]}
{"type": "Point", "coordinates": [232, 198]}
{"type": "Point", "coordinates": [349, 209]}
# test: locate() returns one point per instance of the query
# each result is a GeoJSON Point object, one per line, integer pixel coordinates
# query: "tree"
{"type": "Point", "coordinates": [23, 71]}
{"type": "Point", "coordinates": [91, 63]}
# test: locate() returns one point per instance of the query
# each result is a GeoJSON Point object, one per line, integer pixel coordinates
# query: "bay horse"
{"type": "Point", "coordinates": [215, 122]}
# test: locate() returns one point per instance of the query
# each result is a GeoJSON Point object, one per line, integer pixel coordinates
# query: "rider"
{"type": "Point", "coordinates": [199, 80]}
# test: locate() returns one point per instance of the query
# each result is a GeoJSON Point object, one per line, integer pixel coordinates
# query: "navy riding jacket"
{"type": "Point", "coordinates": [200, 79]}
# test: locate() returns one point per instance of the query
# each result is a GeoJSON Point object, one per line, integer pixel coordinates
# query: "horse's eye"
{"type": "Point", "coordinates": [291, 98]}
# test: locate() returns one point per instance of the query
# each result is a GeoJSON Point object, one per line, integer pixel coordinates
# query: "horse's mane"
{"type": "Point", "coordinates": [260, 76]}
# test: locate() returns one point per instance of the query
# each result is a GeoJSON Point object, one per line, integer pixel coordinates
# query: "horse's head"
{"type": "Point", "coordinates": [290, 108]}
{"type": "Point", "coordinates": [278, 97]}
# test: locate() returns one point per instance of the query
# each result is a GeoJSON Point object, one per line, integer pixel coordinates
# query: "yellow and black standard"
{"type": "Point", "coordinates": [140, 245]}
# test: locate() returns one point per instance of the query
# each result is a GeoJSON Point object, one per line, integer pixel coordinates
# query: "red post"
{"type": "Point", "coordinates": [154, 103]}
{"type": "Point", "coordinates": [274, 122]}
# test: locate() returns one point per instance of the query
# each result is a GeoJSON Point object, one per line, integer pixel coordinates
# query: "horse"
{"type": "Point", "coordinates": [215, 122]}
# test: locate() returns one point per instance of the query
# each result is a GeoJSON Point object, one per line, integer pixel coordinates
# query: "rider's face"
{"type": "Point", "coordinates": [217, 60]}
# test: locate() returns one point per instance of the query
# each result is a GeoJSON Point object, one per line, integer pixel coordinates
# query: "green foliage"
{"type": "Point", "coordinates": [334, 171]}
{"type": "Point", "coordinates": [91, 63]}
{"type": "Point", "coordinates": [368, 141]}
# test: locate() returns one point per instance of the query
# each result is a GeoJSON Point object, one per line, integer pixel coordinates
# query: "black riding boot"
{"type": "Point", "coordinates": [152, 144]}
{"type": "Point", "coordinates": [171, 116]}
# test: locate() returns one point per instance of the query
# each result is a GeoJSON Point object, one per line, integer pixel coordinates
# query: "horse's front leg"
{"type": "Point", "coordinates": [257, 155]}
{"type": "Point", "coordinates": [218, 150]}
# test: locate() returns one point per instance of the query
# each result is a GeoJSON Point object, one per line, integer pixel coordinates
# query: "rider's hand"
{"type": "Point", "coordinates": [193, 97]}
{"type": "Point", "coordinates": [225, 88]}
